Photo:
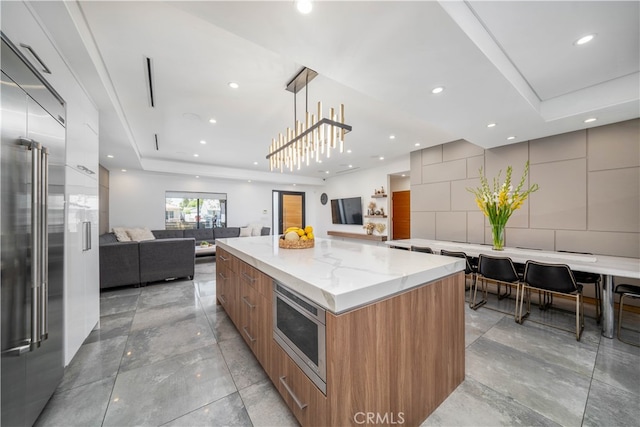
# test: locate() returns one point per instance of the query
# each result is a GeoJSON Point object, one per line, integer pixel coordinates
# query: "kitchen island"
{"type": "Point", "coordinates": [393, 342]}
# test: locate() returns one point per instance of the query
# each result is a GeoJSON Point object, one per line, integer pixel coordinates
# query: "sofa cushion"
{"type": "Point", "coordinates": [200, 234]}
{"type": "Point", "coordinates": [121, 234]}
{"type": "Point", "coordinates": [108, 238]}
{"type": "Point", "coordinates": [168, 234]}
{"type": "Point", "coordinates": [265, 231]}
{"type": "Point", "coordinates": [224, 232]}
{"type": "Point", "coordinates": [245, 232]}
{"type": "Point", "coordinates": [140, 234]}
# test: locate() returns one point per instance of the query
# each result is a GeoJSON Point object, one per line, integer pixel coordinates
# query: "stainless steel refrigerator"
{"type": "Point", "coordinates": [32, 240]}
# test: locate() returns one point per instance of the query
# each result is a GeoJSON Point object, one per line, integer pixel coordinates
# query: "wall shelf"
{"type": "Point", "coordinates": [357, 236]}
{"type": "Point", "coordinates": [375, 216]}
{"type": "Point", "coordinates": [377, 196]}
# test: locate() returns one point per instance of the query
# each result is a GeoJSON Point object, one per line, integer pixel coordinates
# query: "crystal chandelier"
{"type": "Point", "coordinates": [316, 136]}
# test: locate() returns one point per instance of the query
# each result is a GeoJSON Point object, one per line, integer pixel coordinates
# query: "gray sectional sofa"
{"type": "Point", "coordinates": [170, 255]}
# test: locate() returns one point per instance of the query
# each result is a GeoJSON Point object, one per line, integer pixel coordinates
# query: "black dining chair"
{"type": "Point", "coordinates": [469, 270]}
{"type": "Point", "coordinates": [594, 279]}
{"type": "Point", "coordinates": [424, 249]}
{"type": "Point", "coordinates": [554, 279]}
{"type": "Point", "coordinates": [496, 269]}
{"type": "Point", "coordinates": [630, 291]}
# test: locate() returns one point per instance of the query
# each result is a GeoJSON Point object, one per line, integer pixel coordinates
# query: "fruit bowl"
{"type": "Point", "coordinates": [299, 244]}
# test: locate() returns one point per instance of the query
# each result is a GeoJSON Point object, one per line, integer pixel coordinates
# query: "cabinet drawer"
{"type": "Point", "coordinates": [225, 258]}
{"type": "Point", "coordinates": [255, 278]}
{"type": "Point", "coordinates": [307, 403]}
{"type": "Point", "coordinates": [227, 293]}
{"type": "Point", "coordinates": [249, 304]}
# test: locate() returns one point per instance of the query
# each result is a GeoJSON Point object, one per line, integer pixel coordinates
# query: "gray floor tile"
{"type": "Point", "coordinates": [473, 404]}
{"type": "Point", "coordinates": [223, 327]}
{"type": "Point", "coordinates": [228, 411]}
{"type": "Point", "coordinates": [205, 288]}
{"type": "Point", "coordinates": [118, 304]}
{"type": "Point", "coordinates": [150, 345]}
{"type": "Point", "coordinates": [159, 393]}
{"type": "Point", "coordinates": [610, 406]}
{"type": "Point", "coordinates": [477, 322]}
{"type": "Point", "coordinates": [618, 368]}
{"type": "Point", "coordinates": [266, 407]}
{"type": "Point", "coordinates": [165, 314]}
{"type": "Point", "coordinates": [555, 392]}
{"type": "Point", "coordinates": [82, 406]}
{"type": "Point", "coordinates": [94, 361]}
{"type": "Point", "coordinates": [167, 293]}
{"type": "Point", "coordinates": [245, 368]}
{"type": "Point", "coordinates": [111, 326]}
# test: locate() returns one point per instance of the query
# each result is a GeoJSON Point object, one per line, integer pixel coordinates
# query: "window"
{"type": "Point", "coordinates": [185, 210]}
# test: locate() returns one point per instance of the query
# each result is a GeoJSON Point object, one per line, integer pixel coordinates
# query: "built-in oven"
{"type": "Point", "coordinates": [299, 328]}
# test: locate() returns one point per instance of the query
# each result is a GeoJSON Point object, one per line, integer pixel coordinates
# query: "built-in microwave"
{"type": "Point", "coordinates": [299, 328]}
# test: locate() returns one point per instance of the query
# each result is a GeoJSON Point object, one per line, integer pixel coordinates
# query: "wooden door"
{"type": "Point", "coordinates": [291, 210]}
{"type": "Point", "coordinates": [401, 219]}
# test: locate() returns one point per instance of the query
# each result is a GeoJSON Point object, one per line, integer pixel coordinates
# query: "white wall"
{"type": "Point", "coordinates": [137, 199]}
{"type": "Point", "coordinates": [359, 183]}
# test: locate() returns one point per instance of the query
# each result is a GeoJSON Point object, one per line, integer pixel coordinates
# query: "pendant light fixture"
{"type": "Point", "coordinates": [316, 136]}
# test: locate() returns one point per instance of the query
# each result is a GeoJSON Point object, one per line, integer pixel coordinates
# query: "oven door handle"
{"type": "Point", "coordinates": [292, 394]}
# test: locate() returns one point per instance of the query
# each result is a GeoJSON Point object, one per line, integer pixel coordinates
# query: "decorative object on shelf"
{"type": "Point", "coordinates": [499, 204]}
{"type": "Point", "coordinates": [378, 212]}
{"type": "Point", "coordinates": [380, 227]}
{"type": "Point", "coordinates": [382, 211]}
{"type": "Point", "coordinates": [369, 227]}
{"type": "Point", "coordinates": [371, 207]}
{"type": "Point", "coordinates": [324, 199]}
{"type": "Point", "coordinates": [205, 244]}
{"type": "Point", "coordinates": [317, 135]}
{"type": "Point", "coordinates": [297, 238]}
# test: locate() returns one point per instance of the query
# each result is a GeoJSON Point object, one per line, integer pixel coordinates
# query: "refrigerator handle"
{"type": "Point", "coordinates": [86, 236]}
{"type": "Point", "coordinates": [44, 258]}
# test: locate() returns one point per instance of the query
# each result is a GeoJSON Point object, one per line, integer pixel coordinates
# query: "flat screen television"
{"type": "Point", "coordinates": [346, 211]}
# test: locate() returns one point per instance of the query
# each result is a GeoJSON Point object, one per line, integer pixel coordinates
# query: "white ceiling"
{"type": "Point", "coordinates": [510, 63]}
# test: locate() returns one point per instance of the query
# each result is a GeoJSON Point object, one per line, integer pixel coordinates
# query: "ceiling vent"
{"type": "Point", "coordinates": [148, 64]}
{"type": "Point", "coordinates": [347, 170]}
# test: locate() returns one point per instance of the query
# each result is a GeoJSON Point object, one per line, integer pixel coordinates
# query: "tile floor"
{"type": "Point", "coordinates": [166, 355]}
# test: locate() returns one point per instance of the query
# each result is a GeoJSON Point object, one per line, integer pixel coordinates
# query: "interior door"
{"type": "Point", "coordinates": [401, 219]}
{"type": "Point", "coordinates": [291, 212]}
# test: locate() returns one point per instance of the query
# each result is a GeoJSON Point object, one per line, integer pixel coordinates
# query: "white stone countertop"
{"type": "Point", "coordinates": [338, 275]}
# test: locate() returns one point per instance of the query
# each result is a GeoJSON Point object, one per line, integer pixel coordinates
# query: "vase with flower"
{"type": "Point", "coordinates": [499, 202]}
{"type": "Point", "coordinates": [369, 227]}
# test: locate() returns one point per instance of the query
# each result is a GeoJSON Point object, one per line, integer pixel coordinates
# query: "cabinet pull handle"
{"type": "Point", "coordinates": [246, 276]}
{"type": "Point", "coordinates": [252, 339]}
{"type": "Point", "coordinates": [244, 299]}
{"type": "Point", "coordinates": [223, 258]}
{"type": "Point", "coordinates": [222, 275]}
{"type": "Point", "coordinates": [295, 398]}
{"type": "Point", "coordinates": [222, 299]}
{"type": "Point", "coordinates": [33, 53]}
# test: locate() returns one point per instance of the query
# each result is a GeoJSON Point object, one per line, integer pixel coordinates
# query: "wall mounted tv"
{"type": "Point", "coordinates": [346, 211]}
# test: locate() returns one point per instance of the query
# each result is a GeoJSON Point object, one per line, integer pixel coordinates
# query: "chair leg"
{"type": "Point", "coordinates": [517, 313]}
{"type": "Point", "coordinates": [473, 305]}
{"type": "Point", "coordinates": [506, 293]}
{"type": "Point", "coordinates": [598, 301]}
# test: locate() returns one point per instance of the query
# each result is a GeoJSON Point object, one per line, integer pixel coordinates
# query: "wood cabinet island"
{"type": "Point", "coordinates": [393, 333]}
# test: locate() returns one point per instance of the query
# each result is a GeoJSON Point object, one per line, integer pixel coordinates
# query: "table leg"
{"type": "Point", "coordinates": [607, 306]}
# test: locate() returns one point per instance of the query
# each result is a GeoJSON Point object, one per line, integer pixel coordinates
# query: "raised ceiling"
{"type": "Point", "coordinates": [510, 63]}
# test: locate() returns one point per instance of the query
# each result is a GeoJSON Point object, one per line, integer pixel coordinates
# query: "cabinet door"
{"type": "Point", "coordinates": [307, 403]}
{"type": "Point", "coordinates": [249, 302]}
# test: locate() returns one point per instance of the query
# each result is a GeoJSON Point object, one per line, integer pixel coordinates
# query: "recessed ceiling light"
{"type": "Point", "coordinates": [197, 176]}
{"type": "Point", "coordinates": [248, 180]}
{"type": "Point", "coordinates": [255, 163]}
{"type": "Point", "coordinates": [304, 6]}
{"type": "Point", "coordinates": [294, 185]}
{"type": "Point", "coordinates": [392, 137]}
{"type": "Point", "coordinates": [123, 170]}
{"type": "Point", "coordinates": [350, 166]}
{"type": "Point", "coordinates": [319, 161]}
{"type": "Point", "coordinates": [417, 144]}
{"type": "Point", "coordinates": [585, 39]}
{"type": "Point", "coordinates": [203, 142]}
{"type": "Point", "coordinates": [436, 90]}
{"type": "Point", "coordinates": [326, 171]}
{"type": "Point", "coordinates": [491, 125]}
{"type": "Point", "coordinates": [590, 119]}
{"type": "Point", "coordinates": [349, 151]}
{"type": "Point", "coordinates": [110, 156]}
{"type": "Point", "coordinates": [234, 85]}
{"type": "Point", "coordinates": [213, 121]}
{"type": "Point", "coordinates": [511, 137]}
{"type": "Point", "coordinates": [381, 158]}
{"type": "Point", "coordinates": [403, 175]}
{"type": "Point", "coordinates": [196, 155]}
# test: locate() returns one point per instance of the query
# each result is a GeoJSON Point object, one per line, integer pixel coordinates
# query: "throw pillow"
{"type": "Point", "coordinates": [140, 234]}
{"type": "Point", "coordinates": [255, 229]}
{"type": "Point", "coordinates": [121, 234]}
{"type": "Point", "coordinates": [245, 232]}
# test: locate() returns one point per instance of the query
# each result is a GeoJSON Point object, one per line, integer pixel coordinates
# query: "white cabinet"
{"type": "Point", "coordinates": [82, 291]}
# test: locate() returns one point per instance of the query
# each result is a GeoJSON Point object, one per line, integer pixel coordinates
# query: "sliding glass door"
{"type": "Point", "coordinates": [185, 210]}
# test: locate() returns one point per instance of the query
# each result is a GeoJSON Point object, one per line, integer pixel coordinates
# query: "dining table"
{"type": "Point", "coordinates": [605, 265]}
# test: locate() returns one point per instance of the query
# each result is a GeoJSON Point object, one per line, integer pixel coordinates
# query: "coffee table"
{"type": "Point", "coordinates": [205, 250]}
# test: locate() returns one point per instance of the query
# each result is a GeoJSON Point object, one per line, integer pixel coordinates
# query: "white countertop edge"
{"type": "Point", "coordinates": [339, 303]}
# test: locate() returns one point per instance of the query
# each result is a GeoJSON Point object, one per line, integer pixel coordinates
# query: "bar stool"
{"type": "Point", "coordinates": [497, 269]}
{"type": "Point", "coordinates": [469, 271]}
{"type": "Point", "coordinates": [424, 249]}
{"type": "Point", "coordinates": [625, 290]}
